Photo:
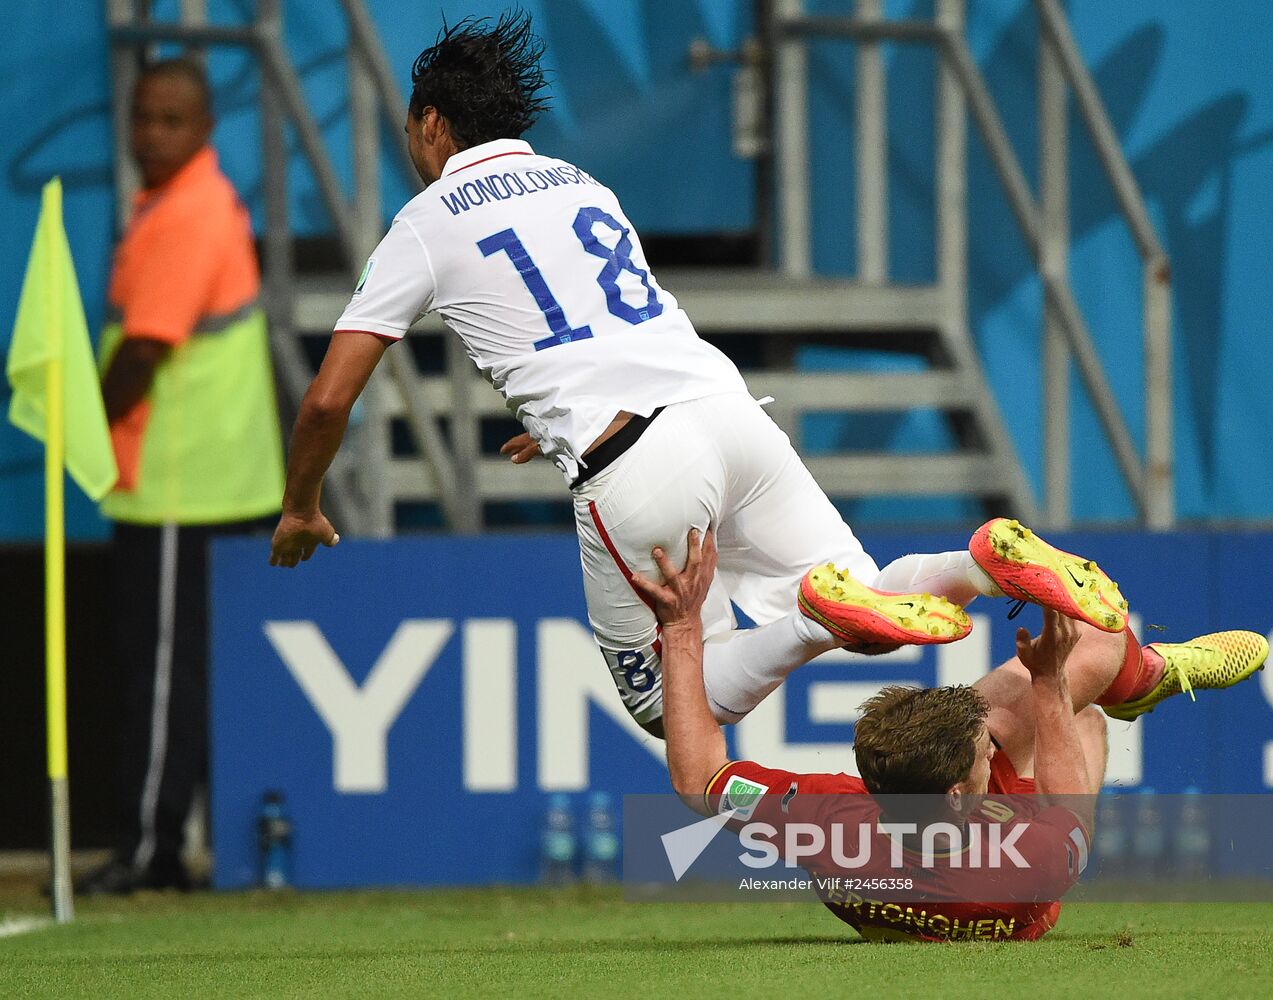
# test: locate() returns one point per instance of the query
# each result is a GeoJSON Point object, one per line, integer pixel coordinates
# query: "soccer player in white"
{"type": "Point", "coordinates": [535, 266]}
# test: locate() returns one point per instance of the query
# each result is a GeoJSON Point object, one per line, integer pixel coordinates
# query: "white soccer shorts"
{"type": "Point", "coordinates": [717, 462]}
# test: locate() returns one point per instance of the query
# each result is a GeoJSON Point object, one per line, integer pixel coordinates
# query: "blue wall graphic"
{"type": "Point", "coordinates": [417, 700]}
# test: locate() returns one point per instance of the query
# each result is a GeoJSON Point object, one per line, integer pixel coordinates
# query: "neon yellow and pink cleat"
{"type": "Point", "coordinates": [1027, 568]}
{"type": "Point", "coordinates": [1217, 660]}
{"type": "Point", "coordinates": [866, 618]}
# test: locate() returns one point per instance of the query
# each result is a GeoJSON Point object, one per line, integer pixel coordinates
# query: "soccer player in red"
{"type": "Point", "coordinates": [980, 752]}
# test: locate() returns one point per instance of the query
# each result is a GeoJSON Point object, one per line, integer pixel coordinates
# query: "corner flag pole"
{"type": "Point", "coordinates": [57, 399]}
{"type": "Point", "coordinates": [55, 631]}
{"type": "Point", "coordinates": [55, 654]}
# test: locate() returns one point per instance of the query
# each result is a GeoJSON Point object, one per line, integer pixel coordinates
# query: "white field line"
{"type": "Point", "coordinates": [13, 926]}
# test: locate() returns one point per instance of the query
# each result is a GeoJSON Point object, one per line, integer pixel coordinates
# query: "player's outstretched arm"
{"type": "Point", "coordinates": [320, 425]}
{"type": "Point", "coordinates": [695, 743]}
{"type": "Point", "coordinates": [1059, 765]}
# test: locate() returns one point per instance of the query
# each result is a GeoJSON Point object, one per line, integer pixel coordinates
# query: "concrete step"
{"type": "Point", "coordinates": [793, 392]}
{"type": "Point", "coordinates": [843, 476]}
{"type": "Point", "coordinates": [890, 474]}
{"type": "Point", "coordinates": [860, 392]}
{"type": "Point", "coordinates": [731, 301]}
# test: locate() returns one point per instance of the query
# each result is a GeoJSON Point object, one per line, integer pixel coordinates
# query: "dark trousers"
{"type": "Point", "coordinates": [160, 584]}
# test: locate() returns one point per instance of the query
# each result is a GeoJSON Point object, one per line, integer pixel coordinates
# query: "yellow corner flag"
{"type": "Point", "coordinates": [57, 399]}
{"type": "Point", "coordinates": [51, 327]}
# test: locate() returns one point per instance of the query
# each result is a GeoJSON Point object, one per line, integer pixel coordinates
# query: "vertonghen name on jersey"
{"type": "Point", "coordinates": [498, 187]}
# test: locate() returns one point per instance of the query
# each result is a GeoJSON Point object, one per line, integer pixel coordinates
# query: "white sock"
{"type": "Point", "coordinates": [741, 667]}
{"type": "Point", "coordinates": [953, 575]}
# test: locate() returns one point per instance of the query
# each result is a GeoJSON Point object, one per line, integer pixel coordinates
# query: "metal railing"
{"type": "Point", "coordinates": [374, 100]}
{"type": "Point", "coordinates": [961, 87]}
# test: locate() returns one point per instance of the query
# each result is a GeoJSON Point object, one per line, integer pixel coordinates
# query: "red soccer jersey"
{"type": "Point", "coordinates": [1051, 840]}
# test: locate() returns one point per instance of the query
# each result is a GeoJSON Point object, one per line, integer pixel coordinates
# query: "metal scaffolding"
{"type": "Point", "coordinates": [782, 305]}
{"type": "Point", "coordinates": [1044, 227]}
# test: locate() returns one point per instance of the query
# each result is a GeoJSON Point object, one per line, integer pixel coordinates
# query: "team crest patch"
{"type": "Point", "coordinates": [742, 796]}
{"type": "Point", "coordinates": [366, 273]}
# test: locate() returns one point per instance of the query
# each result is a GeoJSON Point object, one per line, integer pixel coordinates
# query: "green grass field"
{"type": "Point", "coordinates": [579, 943]}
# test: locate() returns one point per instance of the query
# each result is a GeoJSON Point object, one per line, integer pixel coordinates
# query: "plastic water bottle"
{"type": "Point", "coordinates": [1191, 847]}
{"type": "Point", "coordinates": [601, 844]}
{"type": "Point", "coordinates": [1111, 835]}
{"type": "Point", "coordinates": [1149, 839]}
{"type": "Point", "coordinates": [274, 839]}
{"type": "Point", "coordinates": [558, 845]}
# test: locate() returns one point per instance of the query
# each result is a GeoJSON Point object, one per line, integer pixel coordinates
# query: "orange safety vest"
{"type": "Point", "coordinates": [204, 445]}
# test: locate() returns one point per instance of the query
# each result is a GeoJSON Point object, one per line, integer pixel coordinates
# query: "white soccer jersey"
{"type": "Point", "coordinates": [534, 265]}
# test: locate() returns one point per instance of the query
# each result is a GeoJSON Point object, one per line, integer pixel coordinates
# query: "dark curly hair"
{"type": "Point", "coordinates": [483, 79]}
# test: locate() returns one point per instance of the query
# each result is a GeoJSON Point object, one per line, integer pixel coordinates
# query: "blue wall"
{"type": "Point", "coordinates": [1185, 88]}
{"type": "Point", "coordinates": [503, 697]}
{"type": "Point", "coordinates": [55, 120]}
{"type": "Point", "coordinates": [1184, 84]}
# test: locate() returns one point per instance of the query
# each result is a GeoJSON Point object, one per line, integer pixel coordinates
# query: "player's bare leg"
{"type": "Point", "coordinates": [1094, 739]}
{"type": "Point", "coordinates": [1093, 742]}
{"type": "Point", "coordinates": [1115, 672]}
{"type": "Point", "coordinates": [1091, 669]}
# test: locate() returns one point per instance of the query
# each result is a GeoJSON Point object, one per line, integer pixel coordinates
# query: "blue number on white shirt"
{"type": "Point", "coordinates": [617, 260]}
{"type": "Point", "coordinates": [562, 332]}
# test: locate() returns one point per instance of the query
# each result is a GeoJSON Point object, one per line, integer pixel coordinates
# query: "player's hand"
{"type": "Point", "coordinates": [298, 537]}
{"type": "Point", "coordinates": [1045, 654]}
{"type": "Point", "coordinates": [520, 449]}
{"type": "Point", "coordinates": [679, 601]}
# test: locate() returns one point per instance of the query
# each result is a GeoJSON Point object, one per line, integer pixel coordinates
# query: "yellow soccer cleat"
{"type": "Point", "coordinates": [1217, 660]}
{"type": "Point", "coordinates": [1027, 568]}
{"type": "Point", "coordinates": [866, 618]}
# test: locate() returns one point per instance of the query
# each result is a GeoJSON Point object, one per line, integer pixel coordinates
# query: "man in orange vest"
{"type": "Point", "coordinates": [189, 395]}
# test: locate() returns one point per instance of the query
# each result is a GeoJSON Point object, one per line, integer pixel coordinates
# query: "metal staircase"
{"type": "Point", "coordinates": [961, 89]}
{"type": "Point", "coordinates": [445, 411]}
